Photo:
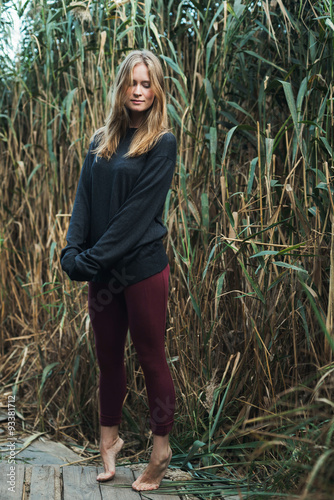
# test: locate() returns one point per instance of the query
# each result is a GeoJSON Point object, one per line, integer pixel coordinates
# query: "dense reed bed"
{"type": "Point", "coordinates": [250, 232]}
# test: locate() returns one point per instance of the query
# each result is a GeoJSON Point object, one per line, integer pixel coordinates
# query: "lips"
{"type": "Point", "coordinates": [136, 101]}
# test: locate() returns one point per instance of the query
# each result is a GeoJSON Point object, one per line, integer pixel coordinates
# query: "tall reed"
{"type": "Point", "coordinates": [249, 217]}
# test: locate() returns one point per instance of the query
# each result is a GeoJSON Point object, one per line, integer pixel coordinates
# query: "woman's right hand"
{"type": "Point", "coordinates": [68, 265]}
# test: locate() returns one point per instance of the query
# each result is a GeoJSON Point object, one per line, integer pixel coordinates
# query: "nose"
{"type": "Point", "coordinates": [137, 89]}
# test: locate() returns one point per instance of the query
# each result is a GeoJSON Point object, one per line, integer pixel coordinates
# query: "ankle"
{"type": "Point", "coordinates": [161, 444]}
{"type": "Point", "coordinates": [159, 456]}
{"type": "Point", "coordinates": [107, 443]}
{"type": "Point", "coordinates": [108, 435]}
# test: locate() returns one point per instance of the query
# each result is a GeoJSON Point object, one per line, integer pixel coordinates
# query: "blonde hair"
{"type": "Point", "coordinates": [155, 122]}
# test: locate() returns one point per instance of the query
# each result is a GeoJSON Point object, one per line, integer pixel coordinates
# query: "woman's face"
{"type": "Point", "coordinates": [139, 96]}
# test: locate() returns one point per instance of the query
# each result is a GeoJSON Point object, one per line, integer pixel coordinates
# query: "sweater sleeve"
{"type": "Point", "coordinates": [80, 219]}
{"type": "Point", "coordinates": [133, 218]}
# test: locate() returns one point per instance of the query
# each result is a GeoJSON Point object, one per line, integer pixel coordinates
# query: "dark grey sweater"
{"type": "Point", "coordinates": [115, 233]}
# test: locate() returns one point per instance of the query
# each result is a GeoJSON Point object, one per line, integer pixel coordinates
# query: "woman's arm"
{"type": "Point", "coordinates": [80, 219]}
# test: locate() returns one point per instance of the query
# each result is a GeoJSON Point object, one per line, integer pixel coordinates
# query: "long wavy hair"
{"type": "Point", "coordinates": [155, 122]}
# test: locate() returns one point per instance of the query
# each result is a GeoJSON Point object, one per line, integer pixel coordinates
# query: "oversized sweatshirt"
{"type": "Point", "coordinates": [116, 229]}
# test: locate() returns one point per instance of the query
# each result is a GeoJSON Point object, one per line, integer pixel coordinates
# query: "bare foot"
{"type": "Point", "coordinates": [153, 474]}
{"type": "Point", "coordinates": [108, 455]}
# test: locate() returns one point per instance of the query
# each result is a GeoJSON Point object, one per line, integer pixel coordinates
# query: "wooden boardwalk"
{"type": "Point", "coordinates": [73, 482]}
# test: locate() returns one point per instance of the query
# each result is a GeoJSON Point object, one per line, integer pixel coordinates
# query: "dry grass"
{"type": "Point", "coordinates": [250, 220]}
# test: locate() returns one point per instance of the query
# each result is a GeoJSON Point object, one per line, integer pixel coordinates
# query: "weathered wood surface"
{"type": "Point", "coordinates": [73, 482]}
{"type": "Point", "coordinates": [4, 485]}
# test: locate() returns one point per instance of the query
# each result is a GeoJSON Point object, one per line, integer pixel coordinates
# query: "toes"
{"type": "Point", "coordinates": [144, 486]}
{"type": "Point", "coordinates": [105, 476]}
{"type": "Point", "coordinates": [141, 485]}
{"type": "Point", "coordinates": [136, 483]}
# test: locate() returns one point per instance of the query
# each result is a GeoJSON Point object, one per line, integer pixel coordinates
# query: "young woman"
{"type": "Point", "coordinates": [115, 243]}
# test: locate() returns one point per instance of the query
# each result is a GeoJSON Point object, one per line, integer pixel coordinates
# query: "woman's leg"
{"type": "Point", "coordinates": [109, 320]}
{"type": "Point", "coordinates": [147, 305]}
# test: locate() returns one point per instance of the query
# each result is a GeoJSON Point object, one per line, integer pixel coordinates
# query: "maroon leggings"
{"type": "Point", "coordinates": [142, 309]}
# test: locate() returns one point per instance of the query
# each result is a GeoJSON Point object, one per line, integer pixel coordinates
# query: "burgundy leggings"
{"type": "Point", "coordinates": [142, 309]}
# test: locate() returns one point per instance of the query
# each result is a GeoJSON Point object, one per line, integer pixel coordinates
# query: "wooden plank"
{"type": "Point", "coordinates": [58, 482]}
{"type": "Point", "coordinates": [123, 475]}
{"type": "Point", "coordinates": [149, 495]}
{"type": "Point", "coordinates": [79, 483]}
{"type": "Point", "coordinates": [27, 480]}
{"type": "Point", "coordinates": [42, 485]}
{"type": "Point", "coordinates": [16, 479]}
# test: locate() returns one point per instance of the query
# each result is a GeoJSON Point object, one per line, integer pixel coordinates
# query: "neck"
{"type": "Point", "coordinates": [136, 120]}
